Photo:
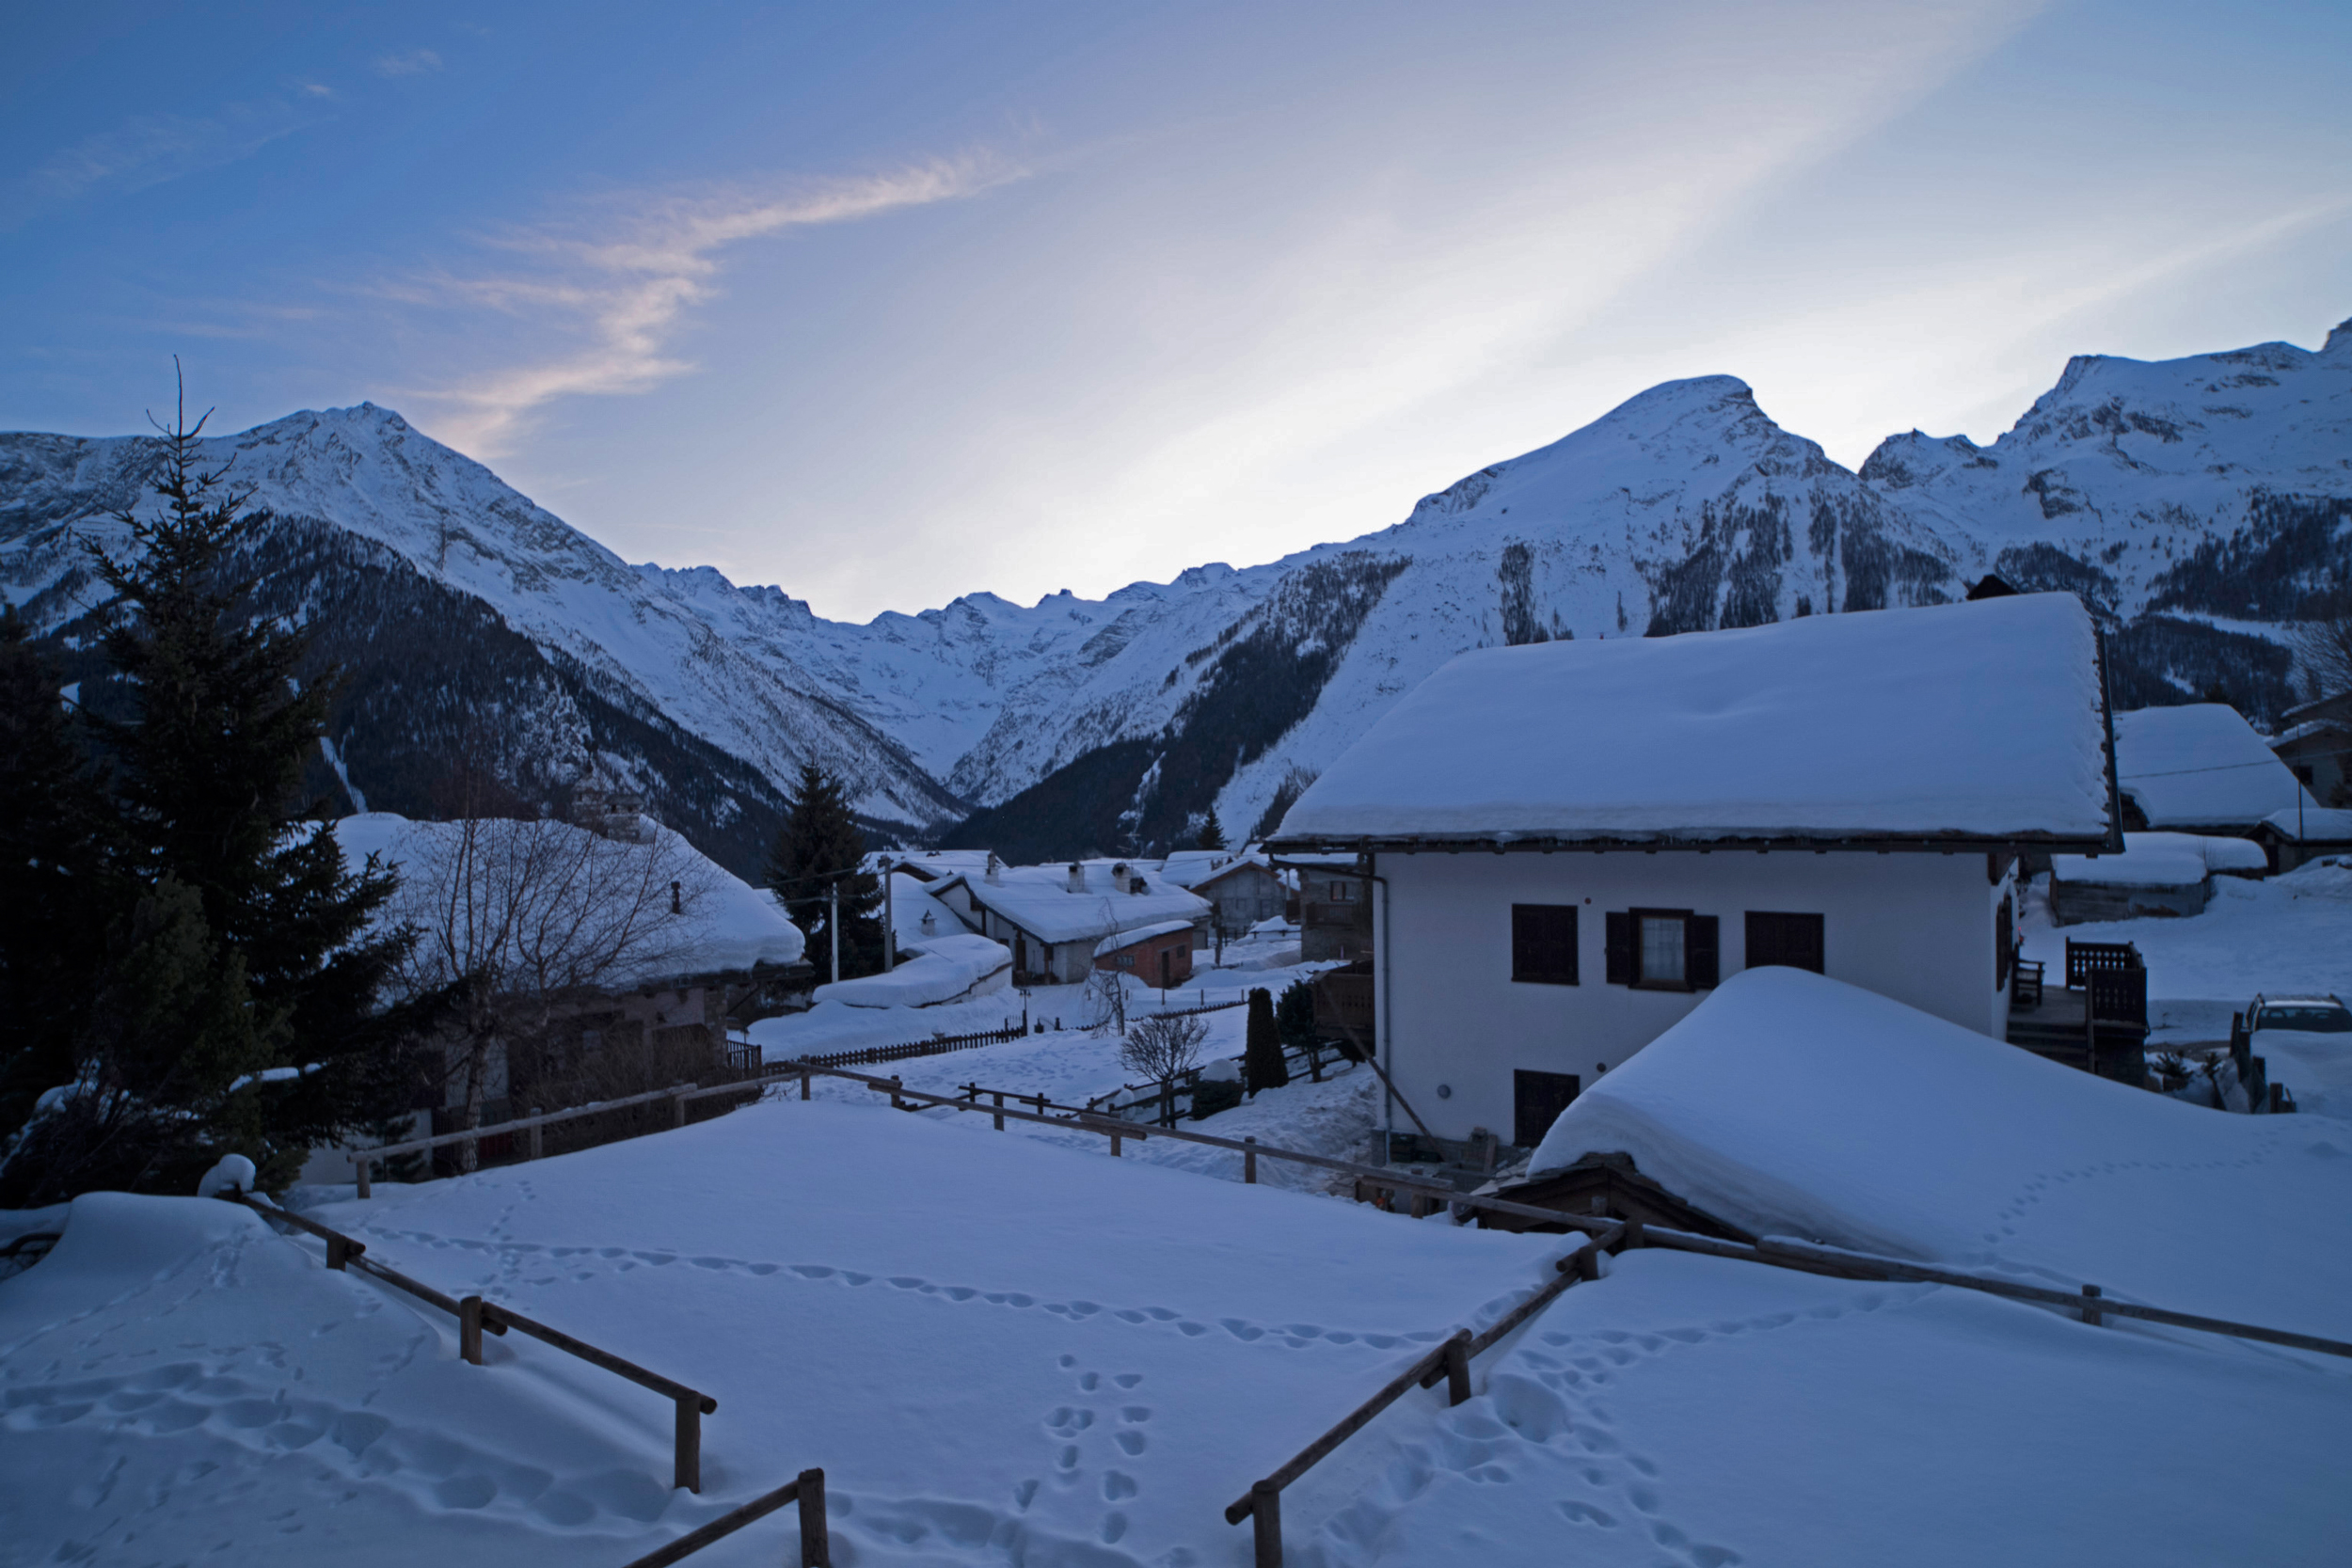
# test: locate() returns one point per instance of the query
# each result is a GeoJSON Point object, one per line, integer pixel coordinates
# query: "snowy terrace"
{"type": "Point", "coordinates": [1007, 1352]}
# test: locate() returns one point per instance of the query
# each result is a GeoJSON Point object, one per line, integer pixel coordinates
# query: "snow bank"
{"type": "Point", "coordinates": [732, 925]}
{"type": "Point", "coordinates": [1789, 1103]}
{"type": "Point", "coordinates": [2200, 765]}
{"type": "Point", "coordinates": [2163, 859]}
{"type": "Point", "coordinates": [946, 969]}
{"type": "Point", "coordinates": [1974, 718]}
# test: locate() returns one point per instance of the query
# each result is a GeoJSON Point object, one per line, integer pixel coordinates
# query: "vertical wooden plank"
{"type": "Point", "coordinates": [687, 1469]}
{"type": "Point", "coordinates": [1000, 1105]}
{"type": "Point", "coordinates": [470, 1330]}
{"type": "Point", "coordinates": [538, 1148]}
{"type": "Point", "coordinates": [1249, 1163]}
{"type": "Point", "coordinates": [815, 1548]}
{"type": "Point", "coordinates": [678, 1108]}
{"type": "Point", "coordinates": [1265, 1524]}
{"type": "Point", "coordinates": [804, 1078]}
{"type": "Point", "coordinates": [1114, 1146]}
{"type": "Point", "coordinates": [2091, 1314]}
{"type": "Point", "coordinates": [1458, 1382]}
{"type": "Point", "coordinates": [337, 1253]}
{"type": "Point", "coordinates": [361, 1163]}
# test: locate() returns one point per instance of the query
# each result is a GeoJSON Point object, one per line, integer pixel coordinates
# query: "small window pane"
{"type": "Point", "coordinates": [1661, 949]}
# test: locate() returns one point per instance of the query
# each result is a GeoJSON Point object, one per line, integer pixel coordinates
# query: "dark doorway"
{"type": "Point", "coordinates": [1537, 1100]}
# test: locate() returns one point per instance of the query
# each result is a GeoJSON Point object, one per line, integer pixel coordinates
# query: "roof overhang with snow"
{"type": "Point", "coordinates": [1953, 727]}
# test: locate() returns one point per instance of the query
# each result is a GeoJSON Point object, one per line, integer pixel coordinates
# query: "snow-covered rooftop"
{"type": "Point", "coordinates": [2200, 765]}
{"type": "Point", "coordinates": [1141, 933]}
{"type": "Point", "coordinates": [1975, 720]}
{"type": "Point", "coordinates": [2318, 824]}
{"type": "Point", "coordinates": [1040, 900]}
{"type": "Point", "coordinates": [2162, 860]}
{"type": "Point", "coordinates": [731, 925]}
{"type": "Point", "coordinates": [942, 970]}
{"type": "Point", "coordinates": [1791, 1104]}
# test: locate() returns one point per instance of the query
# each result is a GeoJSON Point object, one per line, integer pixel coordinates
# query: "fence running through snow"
{"type": "Point", "coordinates": [476, 1316]}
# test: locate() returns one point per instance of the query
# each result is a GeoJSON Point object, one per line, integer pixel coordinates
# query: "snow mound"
{"type": "Point", "coordinates": [1791, 1104]}
{"type": "Point", "coordinates": [946, 969]}
{"type": "Point", "coordinates": [1975, 718]}
{"type": "Point", "coordinates": [2162, 860]}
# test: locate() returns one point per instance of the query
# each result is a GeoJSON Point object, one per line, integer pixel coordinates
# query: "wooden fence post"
{"type": "Point", "coordinates": [337, 1252]}
{"type": "Point", "coordinates": [805, 1075]}
{"type": "Point", "coordinates": [361, 1163]}
{"type": "Point", "coordinates": [1265, 1524]}
{"type": "Point", "coordinates": [677, 1106]}
{"type": "Point", "coordinates": [2091, 1314]}
{"type": "Point", "coordinates": [687, 1470]}
{"type": "Point", "coordinates": [470, 1330]}
{"type": "Point", "coordinates": [815, 1551]}
{"type": "Point", "coordinates": [537, 1147]}
{"type": "Point", "coordinates": [1250, 1162]}
{"type": "Point", "coordinates": [1458, 1384]}
{"type": "Point", "coordinates": [1000, 1105]}
{"type": "Point", "coordinates": [1114, 1146]}
{"type": "Point", "coordinates": [1314, 1064]}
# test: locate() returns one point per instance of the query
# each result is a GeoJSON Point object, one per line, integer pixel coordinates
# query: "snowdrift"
{"type": "Point", "coordinates": [1791, 1104]}
{"type": "Point", "coordinates": [948, 969]}
{"type": "Point", "coordinates": [2163, 859]}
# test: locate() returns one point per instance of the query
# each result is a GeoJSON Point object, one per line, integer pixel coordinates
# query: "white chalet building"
{"type": "Point", "coordinates": [1051, 918]}
{"type": "Point", "coordinates": [1568, 843]}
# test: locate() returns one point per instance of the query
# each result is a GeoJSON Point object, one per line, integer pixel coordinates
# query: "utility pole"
{"type": "Point", "coordinates": [833, 926]}
{"type": "Point", "coordinates": [890, 929]}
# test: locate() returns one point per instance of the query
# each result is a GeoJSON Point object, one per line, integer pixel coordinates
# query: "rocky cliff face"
{"type": "Point", "coordinates": [2195, 503]}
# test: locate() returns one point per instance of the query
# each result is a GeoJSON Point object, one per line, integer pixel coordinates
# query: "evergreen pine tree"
{"type": "Point", "coordinates": [54, 882]}
{"type": "Point", "coordinates": [1262, 1061]}
{"type": "Point", "coordinates": [819, 839]}
{"type": "Point", "coordinates": [1211, 834]}
{"type": "Point", "coordinates": [208, 767]}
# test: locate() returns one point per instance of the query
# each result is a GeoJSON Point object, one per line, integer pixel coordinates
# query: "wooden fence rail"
{"type": "Point", "coordinates": [476, 1317]}
{"type": "Point", "coordinates": [807, 1489]}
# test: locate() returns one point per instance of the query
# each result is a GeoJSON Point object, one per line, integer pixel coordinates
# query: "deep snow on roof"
{"type": "Point", "coordinates": [942, 969]}
{"type": "Point", "coordinates": [1791, 1104]}
{"type": "Point", "coordinates": [1113, 942]}
{"type": "Point", "coordinates": [2317, 824]}
{"type": "Point", "coordinates": [1038, 899]}
{"type": "Point", "coordinates": [2200, 765]}
{"type": "Point", "coordinates": [1975, 719]}
{"type": "Point", "coordinates": [2162, 860]}
{"type": "Point", "coordinates": [732, 924]}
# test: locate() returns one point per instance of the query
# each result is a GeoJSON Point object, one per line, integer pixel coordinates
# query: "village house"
{"type": "Point", "coordinates": [2316, 747]}
{"type": "Point", "coordinates": [1334, 909]}
{"type": "Point", "coordinates": [1567, 845]}
{"type": "Point", "coordinates": [1052, 917]}
{"type": "Point", "coordinates": [2199, 769]}
{"type": "Point", "coordinates": [1242, 889]}
{"type": "Point", "coordinates": [1158, 955]}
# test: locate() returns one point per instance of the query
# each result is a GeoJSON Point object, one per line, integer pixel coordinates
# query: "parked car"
{"type": "Point", "coordinates": [2310, 1015]}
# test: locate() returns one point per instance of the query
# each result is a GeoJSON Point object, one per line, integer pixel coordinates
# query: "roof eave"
{"type": "Point", "coordinates": [1503, 843]}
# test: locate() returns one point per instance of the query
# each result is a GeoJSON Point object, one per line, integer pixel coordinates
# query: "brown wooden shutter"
{"type": "Point", "coordinates": [1700, 948]}
{"type": "Point", "coordinates": [1621, 967]}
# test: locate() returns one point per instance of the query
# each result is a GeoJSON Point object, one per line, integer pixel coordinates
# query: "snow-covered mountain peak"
{"type": "Point", "coordinates": [2338, 347]}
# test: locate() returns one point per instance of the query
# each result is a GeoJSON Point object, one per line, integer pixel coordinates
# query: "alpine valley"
{"type": "Point", "coordinates": [2197, 505]}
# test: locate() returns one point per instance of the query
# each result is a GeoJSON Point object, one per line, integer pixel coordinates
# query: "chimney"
{"type": "Point", "coordinates": [1078, 877]}
{"type": "Point", "coordinates": [994, 865]}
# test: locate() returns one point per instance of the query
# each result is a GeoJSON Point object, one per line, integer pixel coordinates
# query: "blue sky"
{"type": "Point", "coordinates": [890, 303]}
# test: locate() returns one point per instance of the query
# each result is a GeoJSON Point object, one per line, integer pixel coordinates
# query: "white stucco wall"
{"type": "Point", "coordinates": [1918, 928]}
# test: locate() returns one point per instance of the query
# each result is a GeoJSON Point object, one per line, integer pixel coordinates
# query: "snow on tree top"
{"type": "Point", "coordinates": [1980, 720]}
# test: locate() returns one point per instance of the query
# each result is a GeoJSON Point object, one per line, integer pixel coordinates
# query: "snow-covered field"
{"type": "Point", "coordinates": [1012, 1348]}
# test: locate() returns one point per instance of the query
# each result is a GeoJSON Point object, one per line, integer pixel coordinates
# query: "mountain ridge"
{"type": "Point", "coordinates": [2186, 500]}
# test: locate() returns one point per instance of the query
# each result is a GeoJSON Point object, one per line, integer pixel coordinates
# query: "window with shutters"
{"type": "Point", "coordinates": [1662, 949]}
{"type": "Point", "coordinates": [1537, 1100]}
{"type": "Point", "coordinates": [1543, 943]}
{"type": "Point", "coordinates": [1793, 940]}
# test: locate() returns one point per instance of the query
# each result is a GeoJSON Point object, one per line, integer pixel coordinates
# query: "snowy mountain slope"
{"type": "Point", "coordinates": [2194, 503]}
{"type": "Point", "coordinates": [443, 522]}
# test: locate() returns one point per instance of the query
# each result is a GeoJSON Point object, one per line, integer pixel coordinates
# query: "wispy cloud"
{"type": "Point", "coordinates": [153, 149]}
{"type": "Point", "coordinates": [611, 287]}
{"type": "Point", "coordinates": [415, 62]}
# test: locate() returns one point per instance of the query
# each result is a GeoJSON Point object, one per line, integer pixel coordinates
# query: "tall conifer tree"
{"type": "Point", "coordinates": [819, 840]}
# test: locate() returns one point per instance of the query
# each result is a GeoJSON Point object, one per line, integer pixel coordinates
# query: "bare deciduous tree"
{"type": "Point", "coordinates": [520, 916]}
{"type": "Point", "coordinates": [2323, 647]}
{"type": "Point", "coordinates": [1163, 1049]}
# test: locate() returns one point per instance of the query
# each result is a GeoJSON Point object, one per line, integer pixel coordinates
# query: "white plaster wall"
{"type": "Point", "coordinates": [1918, 928]}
